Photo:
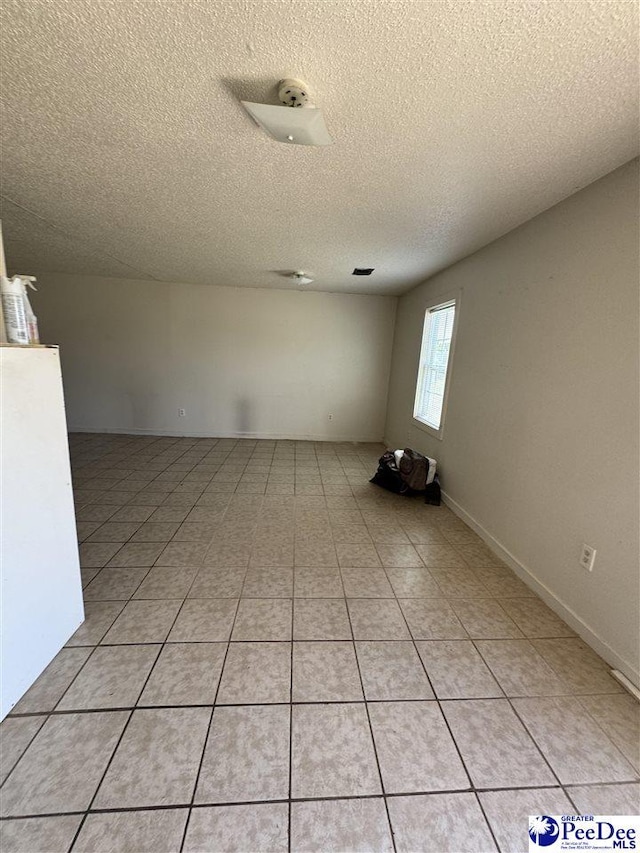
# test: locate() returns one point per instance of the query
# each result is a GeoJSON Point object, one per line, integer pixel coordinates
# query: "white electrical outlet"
{"type": "Point", "coordinates": [587, 557]}
{"type": "Point", "coordinates": [330, 417]}
{"type": "Point", "coordinates": [181, 413]}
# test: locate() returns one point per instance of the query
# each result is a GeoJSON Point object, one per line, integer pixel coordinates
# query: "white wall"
{"type": "Point", "coordinates": [540, 444]}
{"type": "Point", "coordinates": [268, 363]}
{"type": "Point", "coordinates": [41, 602]}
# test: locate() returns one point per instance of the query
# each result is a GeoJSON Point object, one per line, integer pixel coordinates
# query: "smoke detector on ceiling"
{"type": "Point", "coordinates": [297, 122]}
{"type": "Point", "coordinates": [293, 93]}
{"type": "Point", "coordinates": [300, 278]}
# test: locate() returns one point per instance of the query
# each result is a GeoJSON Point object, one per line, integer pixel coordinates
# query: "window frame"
{"type": "Point", "coordinates": [440, 303]}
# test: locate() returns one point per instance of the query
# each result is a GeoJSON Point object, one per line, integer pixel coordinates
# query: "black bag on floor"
{"type": "Point", "coordinates": [410, 478]}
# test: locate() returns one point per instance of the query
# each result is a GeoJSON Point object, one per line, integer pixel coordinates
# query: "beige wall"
{"type": "Point", "coordinates": [540, 444]}
{"type": "Point", "coordinates": [269, 363]}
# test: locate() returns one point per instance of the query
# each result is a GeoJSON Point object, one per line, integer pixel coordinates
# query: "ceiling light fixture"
{"type": "Point", "coordinates": [298, 122]}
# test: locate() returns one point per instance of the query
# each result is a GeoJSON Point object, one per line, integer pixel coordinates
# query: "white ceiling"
{"type": "Point", "coordinates": [126, 151]}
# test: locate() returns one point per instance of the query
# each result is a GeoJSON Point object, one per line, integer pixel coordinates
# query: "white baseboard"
{"type": "Point", "coordinates": [196, 434]}
{"type": "Point", "coordinates": [588, 634]}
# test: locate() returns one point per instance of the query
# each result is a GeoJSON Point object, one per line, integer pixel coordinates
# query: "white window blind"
{"type": "Point", "coordinates": [434, 360]}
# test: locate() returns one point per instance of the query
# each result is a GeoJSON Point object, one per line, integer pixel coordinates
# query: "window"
{"type": "Point", "coordinates": [433, 371]}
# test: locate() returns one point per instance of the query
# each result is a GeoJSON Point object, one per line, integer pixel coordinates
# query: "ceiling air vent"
{"type": "Point", "coordinates": [362, 271]}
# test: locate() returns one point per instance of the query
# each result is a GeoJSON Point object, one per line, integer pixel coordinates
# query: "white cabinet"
{"type": "Point", "coordinates": [41, 603]}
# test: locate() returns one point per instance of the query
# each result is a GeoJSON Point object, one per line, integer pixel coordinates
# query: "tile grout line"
{"type": "Point", "coordinates": [102, 777]}
{"type": "Point", "coordinates": [449, 729]}
{"type": "Point", "coordinates": [208, 732]}
{"type": "Point", "coordinates": [575, 698]}
{"type": "Point", "coordinates": [97, 710]}
{"type": "Point", "coordinates": [56, 710]}
{"type": "Point", "coordinates": [508, 699]}
{"type": "Point", "coordinates": [124, 601]}
{"type": "Point", "coordinates": [120, 739]}
{"type": "Point", "coordinates": [46, 716]}
{"type": "Point", "coordinates": [437, 700]}
{"type": "Point", "coordinates": [373, 740]}
{"type": "Point", "coordinates": [598, 725]}
{"type": "Point", "coordinates": [486, 820]}
{"type": "Point", "coordinates": [284, 800]}
{"type": "Point", "coordinates": [289, 809]}
{"type": "Point", "coordinates": [559, 784]}
{"type": "Point", "coordinates": [605, 735]}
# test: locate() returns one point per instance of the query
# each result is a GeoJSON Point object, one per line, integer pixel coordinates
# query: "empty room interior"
{"type": "Point", "coordinates": [320, 426]}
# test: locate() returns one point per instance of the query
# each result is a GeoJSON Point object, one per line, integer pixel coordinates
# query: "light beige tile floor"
{"type": "Point", "coordinates": [278, 655]}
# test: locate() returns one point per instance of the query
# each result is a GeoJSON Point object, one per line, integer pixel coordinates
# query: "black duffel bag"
{"type": "Point", "coordinates": [410, 478]}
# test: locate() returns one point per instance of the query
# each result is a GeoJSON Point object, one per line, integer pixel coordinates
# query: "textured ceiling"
{"type": "Point", "coordinates": [126, 151]}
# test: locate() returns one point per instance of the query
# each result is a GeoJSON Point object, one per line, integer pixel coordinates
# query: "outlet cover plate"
{"type": "Point", "coordinates": [587, 557]}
